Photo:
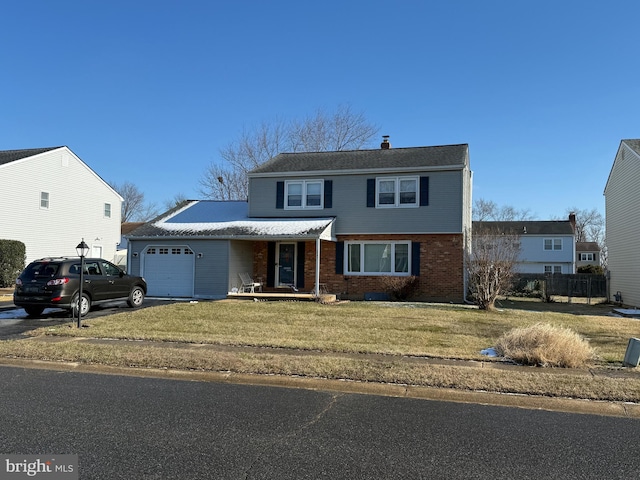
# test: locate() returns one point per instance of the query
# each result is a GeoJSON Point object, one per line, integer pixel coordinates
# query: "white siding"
{"type": "Point", "coordinates": [76, 206]}
{"type": "Point", "coordinates": [622, 210]}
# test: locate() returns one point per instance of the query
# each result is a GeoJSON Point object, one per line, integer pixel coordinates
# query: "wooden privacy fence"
{"type": "Point", "coordinates": [567, 285]}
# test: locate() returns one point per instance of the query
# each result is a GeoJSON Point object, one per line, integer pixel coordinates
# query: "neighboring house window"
{"type": "Point", "coordinates": [44, 199]}
{"type": "Point", "coordinates": [553, 244]}
{"type": "Point", "coordinates": [587, 257]}
{"type": "Point", "coordinates": [107, 210]}
{"type": "Point", "coordinates": [397, 192]}
{"type": "Point", "coordinates": [303, 194]}
{"type": "Point", "coordinates": [371, 258]}
{"type": "Point", "coordinates": [553, 269]}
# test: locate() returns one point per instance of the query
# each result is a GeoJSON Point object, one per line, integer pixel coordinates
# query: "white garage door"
{"type": "Point", "coordinates": [169, 271]}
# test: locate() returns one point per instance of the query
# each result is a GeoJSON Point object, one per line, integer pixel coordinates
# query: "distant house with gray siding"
{"type": "Point", "coordinates": [546, 246]}
{"type": "Point", "coordinates": [345, 220]}
{"type": "Point", "coordinates": [622, 214]}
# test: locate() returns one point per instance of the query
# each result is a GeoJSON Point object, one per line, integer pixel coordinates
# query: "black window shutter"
{"type": "Point", "coordinates": [415, 258]}
{"type": "Point", "coordinates": [271, 264]}
{"type": "Point", "coordinates": [328, 194]}
{"type": "Point", "coordinates": [339, 258]}
{"type": "Point", "coordinates": [371, 192]}
{"type": "Point", "coordinates": [300, 266]}
{"type": "Point", "coordinates": [280, 195]}
{"type": "Point", "coordinates": [424, 191]}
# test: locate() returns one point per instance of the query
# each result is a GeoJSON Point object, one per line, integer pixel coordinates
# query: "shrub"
{"type": "Point", "coordinates": [400, 288]}
{"type": "Point", "coordinates": [545, 345]}
{"type": "Point", "coordinates": [12, 254]}
{"type": "Point", "coordinates": [592, 269]}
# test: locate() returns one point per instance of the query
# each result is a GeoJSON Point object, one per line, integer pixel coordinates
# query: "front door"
{"type": "Point", "coordinates": [286, 271]}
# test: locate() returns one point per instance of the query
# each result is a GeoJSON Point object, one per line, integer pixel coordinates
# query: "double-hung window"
{"type": "Point", "coordinates": [553, 269]}
{"type": "Point", "coordinates": [373, 258]}
{"type": "Point", "coordinates": [587, 257]}
{"type": "Point", "coordinates": [397, 192]}
{"type": "Point", "coordinates": [107, 210]}
{"type": "Point", "coordinates": [300, 194]}
{"type": "Point", "coordinates": [44, 200]}
{"type": "Point", "coordinates": [553, 244]}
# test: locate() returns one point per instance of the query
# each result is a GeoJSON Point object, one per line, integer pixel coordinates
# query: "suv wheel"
{"type": "Point", "coordinates": [136, 297]}
{"type": "Point", "coordinates": [85, 305]}
{"type": "Point", "coordinates": [34, 311]}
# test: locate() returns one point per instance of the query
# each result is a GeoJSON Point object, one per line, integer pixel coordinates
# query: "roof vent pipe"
{"type": "Point", "coordinates": [385, 145]}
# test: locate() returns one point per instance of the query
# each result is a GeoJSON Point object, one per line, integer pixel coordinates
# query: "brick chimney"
{"type": "Point", "coordinates": [572, 221]}
{"type": "Point", "coordinates": [385, 145]}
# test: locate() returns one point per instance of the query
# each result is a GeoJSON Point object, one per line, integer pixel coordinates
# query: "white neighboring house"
{"type": "Point", "coordinates": [622, 213]}
{"type": "Point", "coordinates": [50, 200]}
{"type": "Point", "coordinates": [546, 246]}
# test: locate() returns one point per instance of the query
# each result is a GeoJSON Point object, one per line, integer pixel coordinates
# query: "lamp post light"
{"type": "Point", "coordinates": [82, 249]}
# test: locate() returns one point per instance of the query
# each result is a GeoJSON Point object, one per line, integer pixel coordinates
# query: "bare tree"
{"type": "Point", "coordinates": [590, 225]}
{"type": "Point", "coordinates": [175, 201]}
{"type": "Point", "coordinates": [343, 129]}
{"type": "Point", "coordinates": [491, 265]}
{"type": "Point", "coordinates": [134, 208]}
{"type": "Point", "coordinates": [487, 210]}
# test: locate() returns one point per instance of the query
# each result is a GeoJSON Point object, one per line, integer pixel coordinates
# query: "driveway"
{"type": "Point", "coordinates": [14, 321]}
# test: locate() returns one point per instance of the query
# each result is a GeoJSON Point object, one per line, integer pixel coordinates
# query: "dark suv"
{"type": "Point", "coordinates": [53, 283]}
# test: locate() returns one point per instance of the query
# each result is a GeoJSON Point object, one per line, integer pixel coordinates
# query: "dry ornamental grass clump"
{"type": "Point", "coordinates": [545, 345]}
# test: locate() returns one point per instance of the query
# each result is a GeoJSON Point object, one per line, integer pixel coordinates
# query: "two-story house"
{"type": "Point", "coordinates": [622, 213]}
{"type": "Point", "coordinates": [546, 246]}
{"type": "Point", "coordinates": [342, 219]}
{"type": "Point", "coordinates": [587, 254]}
{"type": "Point", "coordinates": [50, 200]}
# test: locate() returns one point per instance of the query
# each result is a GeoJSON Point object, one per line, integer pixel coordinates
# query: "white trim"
{"type": "Point", "coordinates": [397, 180]}
{"type": "Point", "coordinates": [391, 255]}
{"type": "Point", "coordinates": [304, 194]}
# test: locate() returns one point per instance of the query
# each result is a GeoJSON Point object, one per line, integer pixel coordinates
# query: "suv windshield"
{"type": "Point", "coordinates": [40, 269]}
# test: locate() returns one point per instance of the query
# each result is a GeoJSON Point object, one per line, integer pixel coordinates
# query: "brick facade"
{"type": "Point", "coordinates": [441, 267]}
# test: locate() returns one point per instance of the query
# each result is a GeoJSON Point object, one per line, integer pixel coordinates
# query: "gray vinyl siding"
{"type": "Point", "coordinates": [622, 207]}
{"type": "Point", "coordinates": [212, 269]}
{"type": "Point", "coordinates": [444, 214]}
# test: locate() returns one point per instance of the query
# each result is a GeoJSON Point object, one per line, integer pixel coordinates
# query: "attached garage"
{"type": "Point", "coordinates": [171, 268]}
{"type": "Point", "coordinates": [198, 249]}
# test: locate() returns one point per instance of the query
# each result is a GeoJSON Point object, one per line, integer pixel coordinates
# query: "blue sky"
{"type": "Point", "coordinates": [150, 91]}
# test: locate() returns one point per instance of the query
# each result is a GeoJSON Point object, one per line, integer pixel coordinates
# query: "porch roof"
{"type": "Point", "coordinates": [230, 220]}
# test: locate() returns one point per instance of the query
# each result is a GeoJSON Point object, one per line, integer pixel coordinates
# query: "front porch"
{"type": "Point", "coordinates": [283, 296]}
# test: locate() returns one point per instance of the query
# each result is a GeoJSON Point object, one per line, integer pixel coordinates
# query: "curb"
{"type": "Point", "coordinates": [566, 405]}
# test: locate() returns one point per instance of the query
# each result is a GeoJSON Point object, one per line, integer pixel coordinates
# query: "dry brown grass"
{"type": "Point", "coordinates": [545, 345]}
{"type": "Point", "coordinates": [320, 341]}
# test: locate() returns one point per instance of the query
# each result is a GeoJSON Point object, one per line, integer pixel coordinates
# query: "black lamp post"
{"type": "Point", "coordinates": [82, 249]}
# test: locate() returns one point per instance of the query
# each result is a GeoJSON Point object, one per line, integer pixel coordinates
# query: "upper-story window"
{"type": "Point", "coordinates": [107, 210]}
{"type": "Point", "coordinates": [44, 199]}
{"type": "Point", "coordinates": [553, 244]}
{"type": "Point", "coordinates": [397, 192]}
{"type": "Point", "coordinates": [303, 194]}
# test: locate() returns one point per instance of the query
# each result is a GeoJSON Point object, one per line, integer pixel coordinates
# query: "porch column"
{"type": "Point", "coordinates": [317, 289]}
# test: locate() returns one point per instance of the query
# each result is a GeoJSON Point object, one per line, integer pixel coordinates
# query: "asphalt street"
{"type": "Point", "coordinates": [124, 427]}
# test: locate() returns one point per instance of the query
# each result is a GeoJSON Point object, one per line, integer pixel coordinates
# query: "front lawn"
{"type": "Point", "coordinates": [319, 341]}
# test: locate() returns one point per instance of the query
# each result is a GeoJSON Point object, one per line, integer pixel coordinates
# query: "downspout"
{"type": "Point", "coordinates": [317, 288]}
